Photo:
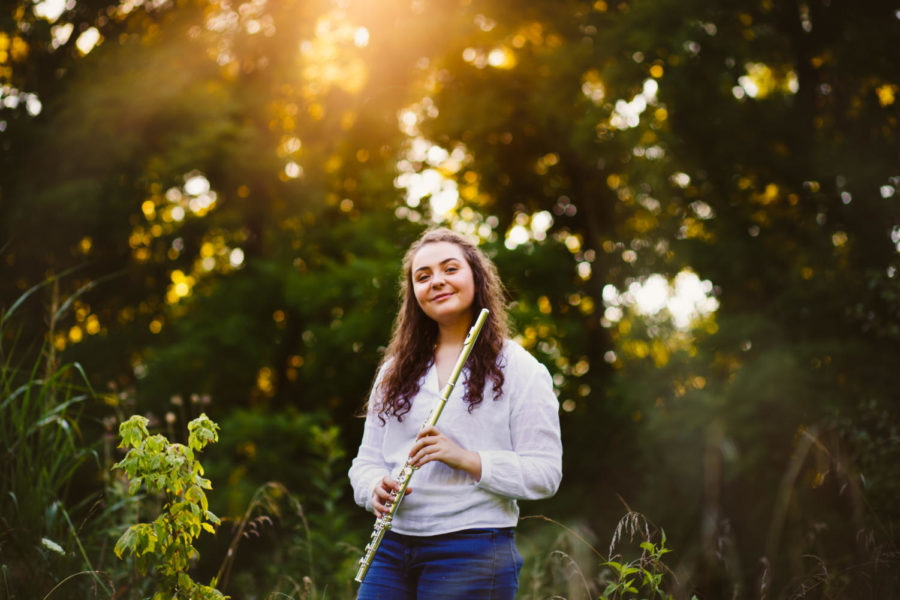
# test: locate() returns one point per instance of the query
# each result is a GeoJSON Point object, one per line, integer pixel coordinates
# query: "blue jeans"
{"type": "Point", "coordinates": [474, 564]}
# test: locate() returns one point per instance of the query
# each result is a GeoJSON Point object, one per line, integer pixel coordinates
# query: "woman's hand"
{"type": "Point", "coordinates": [381, 495]}
{"type": "Point", "coordinates": [431, 445]}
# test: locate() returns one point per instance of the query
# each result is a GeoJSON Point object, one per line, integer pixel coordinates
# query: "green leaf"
{"type": "Point", "coordinates": [126, 542]}
{"type": "Point", "coordinates": [193, 494]}
{"type": "Point", "coordinates": [52, 546]}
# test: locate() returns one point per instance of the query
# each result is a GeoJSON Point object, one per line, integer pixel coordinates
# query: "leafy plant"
{"type": "Point", "coordinates": [641, 574]}
{"type": "Point", "coordinates": [165, 546]}
{"type": "Point", "coordinates": [642, 577]}
{"type": "Point", "coordinates": [570, 570]}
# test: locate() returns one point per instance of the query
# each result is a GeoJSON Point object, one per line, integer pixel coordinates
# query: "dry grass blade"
{"type": "Point", "coordinates": [73, 576]}
{"type": "Point", "coordinates": [574, 567]}
{"type": "Point", "coordinates": [568, 529]}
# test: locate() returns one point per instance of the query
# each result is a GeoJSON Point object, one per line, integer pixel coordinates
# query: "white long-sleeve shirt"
{"type": "Point", "coordinates": [516, 436]}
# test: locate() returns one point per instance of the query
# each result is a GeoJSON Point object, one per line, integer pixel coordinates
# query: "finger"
{"type": "Point", "coordinates": [422, 453]}
{"type": "Point", "coordinates": [381, 504]}
{"type": "Point", "coordinates": [417, 447]}
{"type": "Point", "coordinates": [432, 437]}
{"type": "Point", "coordinates": [383, 493]}
{"type": "Point", "coordinates": [429, 454]}
{"type": "Point", "coordinates": [422, 444]}
{"type": "Point", "coordinates": [389, 483]}
{"type": "Point", "coordinates": [431, 430]}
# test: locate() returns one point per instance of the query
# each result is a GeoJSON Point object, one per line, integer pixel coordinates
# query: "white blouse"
{"type": "Point", "coordinates": [517, 437]}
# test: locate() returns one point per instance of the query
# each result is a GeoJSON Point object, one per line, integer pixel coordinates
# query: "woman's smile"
{"type": "Point", "coordinates": [443, 283]}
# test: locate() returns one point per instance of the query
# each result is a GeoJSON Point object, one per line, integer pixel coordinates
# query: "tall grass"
{"type": "Point", "coordinates": [42, 450]}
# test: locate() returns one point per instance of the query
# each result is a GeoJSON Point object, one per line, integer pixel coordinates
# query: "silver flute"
{"type": "Point", "coordinates": [383, 523]}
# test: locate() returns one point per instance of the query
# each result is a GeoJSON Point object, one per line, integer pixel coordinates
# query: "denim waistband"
{"type": "Point", "coordinates": [474, 532]}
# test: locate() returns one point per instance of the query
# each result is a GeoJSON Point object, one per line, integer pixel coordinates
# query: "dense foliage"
{"type": "Point", "coordinates": [203, 205]}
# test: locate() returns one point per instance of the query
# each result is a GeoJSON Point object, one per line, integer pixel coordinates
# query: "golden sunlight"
{"type": "Point", "coordinates": [326, 59]}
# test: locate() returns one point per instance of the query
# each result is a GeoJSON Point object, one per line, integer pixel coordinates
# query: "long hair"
{"type": "Point", "coordinates": [411, 350]}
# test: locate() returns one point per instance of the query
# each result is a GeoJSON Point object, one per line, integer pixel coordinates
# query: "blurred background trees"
{"type": "Point", "coordinates": [693, 205]}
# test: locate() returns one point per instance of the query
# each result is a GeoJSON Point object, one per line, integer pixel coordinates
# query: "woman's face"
{"type": "Point", "coordinates": [443, 283]}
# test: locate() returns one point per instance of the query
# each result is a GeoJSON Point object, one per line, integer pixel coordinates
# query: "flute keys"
{"type": "Point", "coordinates": [384, 522]}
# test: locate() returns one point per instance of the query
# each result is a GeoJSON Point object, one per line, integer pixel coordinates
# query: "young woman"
{"type": "Point", "coordinates": [497, 440]}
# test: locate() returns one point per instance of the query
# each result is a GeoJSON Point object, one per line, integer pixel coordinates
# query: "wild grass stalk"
{"type": "Point", "coordinates": [265, 502]}
{"type": "Point", "coordinates": [42, 450]}
{"type": "Point", "coordinates": [272, 502]}
{"type": "Point", "coordinates": [94, 574]}
{"type": "Point", "coordinates": [633, 569]}
{"type": "Point", "coordinates": [866, 568]}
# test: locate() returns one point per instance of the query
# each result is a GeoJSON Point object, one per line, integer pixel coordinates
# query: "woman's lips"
{"type": "Point", "coordinates": [441, 297]}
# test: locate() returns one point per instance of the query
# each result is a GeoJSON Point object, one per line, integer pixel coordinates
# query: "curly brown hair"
{"type": "Point", "coordinates": [411, 350]}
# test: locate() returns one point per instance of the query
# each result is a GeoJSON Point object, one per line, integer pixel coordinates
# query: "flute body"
{"type": "Point", "coordinates": [383, 523]}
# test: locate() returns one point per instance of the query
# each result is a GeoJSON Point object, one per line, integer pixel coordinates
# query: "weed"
{"type": "Point", "coordinates": [166, 545]}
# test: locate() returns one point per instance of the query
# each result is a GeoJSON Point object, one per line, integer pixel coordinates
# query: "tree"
{"type": "Point", "coordinates": [253, 184]}
{"type": "Point", "coordinates": [748, 142]}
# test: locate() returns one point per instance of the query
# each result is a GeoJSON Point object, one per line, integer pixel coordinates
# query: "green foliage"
{"type": "Point", "coordinates": [784, 198]}
{"type": "Point", "coordinates": [294, 518]}
{"type": "Point", "coordinates": [635, 568]}
{"type": "Point", "coordinates": [165, 546]}
{"type": "Point", "coordinates": [645, 576]}
{"type": "Point", "coordinates": [641, 577]}
{"type": "Point", "coordinates": [42, 446]}
{"type": "Point", "coordinates": [43, 451]}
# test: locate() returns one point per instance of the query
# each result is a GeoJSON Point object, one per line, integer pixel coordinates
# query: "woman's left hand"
{"type": "Point", "coordinates": [431, 445]}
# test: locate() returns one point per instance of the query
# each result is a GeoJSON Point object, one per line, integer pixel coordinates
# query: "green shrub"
{"type": "Point", "coordinates": [165, 546]}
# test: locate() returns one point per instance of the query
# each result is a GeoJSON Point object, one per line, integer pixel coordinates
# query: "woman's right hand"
{"type": "Point", "coordinates": [381, 496]}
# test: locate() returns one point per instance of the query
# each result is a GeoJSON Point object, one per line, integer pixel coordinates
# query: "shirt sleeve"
{"type": "Point", "coordinates": [369, 467]}
{"type": "Point", "coordinates": [533, 468]}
